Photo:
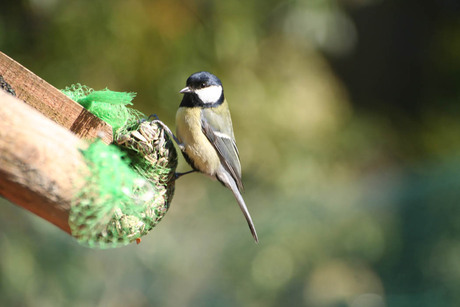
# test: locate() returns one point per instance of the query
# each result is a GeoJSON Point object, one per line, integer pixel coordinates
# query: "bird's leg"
{"type": "Point", "coordinates": [171, 135]}
{"type": "Point", "coordinates": [178, 175]}
{"type": "Point", "coordinates": [168, 131]}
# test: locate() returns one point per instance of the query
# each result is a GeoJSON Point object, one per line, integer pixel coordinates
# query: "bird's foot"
{"type": "Point", "coordinates": [154, 116]}
{"type": "Point", "coordinates": [168, 131]}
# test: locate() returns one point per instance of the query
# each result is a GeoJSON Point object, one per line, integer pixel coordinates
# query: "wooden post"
{"type": "Point", "coordinates": [41, 167]}
{"type": "Point", "coordinates": [51, 102]}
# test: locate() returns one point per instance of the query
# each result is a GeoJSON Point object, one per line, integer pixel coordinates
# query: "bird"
{"type": "Point", "coordinates": [205, 135]}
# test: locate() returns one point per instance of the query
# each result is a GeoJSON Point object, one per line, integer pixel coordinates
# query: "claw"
{"type": "Point", "coordinates": [153, 116]}
{"type": "Point", "coordinates": [167, 130]}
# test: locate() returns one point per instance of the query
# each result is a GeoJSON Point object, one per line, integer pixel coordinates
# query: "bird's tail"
{"type": "Point", "coordinates": [228, 181]}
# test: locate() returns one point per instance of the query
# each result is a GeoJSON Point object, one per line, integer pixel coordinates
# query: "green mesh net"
{"type": "Point", "coordinates": [129, 186]}
{"type": "Point", "coordinates": [108, 105]}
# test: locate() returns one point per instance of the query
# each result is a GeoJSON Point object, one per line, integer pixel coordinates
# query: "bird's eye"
{"type": "Point", "coordinates": [202, 85]}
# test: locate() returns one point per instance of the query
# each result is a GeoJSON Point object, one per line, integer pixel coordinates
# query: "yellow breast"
{"type": "Point", "coordinates": [197, 146]}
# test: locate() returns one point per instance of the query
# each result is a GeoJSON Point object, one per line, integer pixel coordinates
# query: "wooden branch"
{"type": "Point", "coordinates": [51, 102]}
{"type": "Point", "coordinates": [41, 167]}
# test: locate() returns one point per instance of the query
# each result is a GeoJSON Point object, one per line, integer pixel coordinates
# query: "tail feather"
{"type": "Point", "coordinates": [228, 181]}
{"type": "Point", "coordinates": [245, 211]}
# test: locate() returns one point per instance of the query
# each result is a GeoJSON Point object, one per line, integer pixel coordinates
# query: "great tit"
{"type": "Point", "coordinates": [205, 135]}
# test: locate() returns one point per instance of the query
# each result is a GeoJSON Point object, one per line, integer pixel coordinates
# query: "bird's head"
{"type": "Point", "coordinates": [206, 87]}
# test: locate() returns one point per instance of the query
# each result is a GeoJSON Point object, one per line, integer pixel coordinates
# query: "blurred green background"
{"type": "Point", "coordinates": [347, 117]}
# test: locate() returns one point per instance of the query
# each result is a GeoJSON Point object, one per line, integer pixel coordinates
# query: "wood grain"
{"type": "Point", "coordinates": [51, 102]}
{"type": "Point", "coordinates": [41, 167]}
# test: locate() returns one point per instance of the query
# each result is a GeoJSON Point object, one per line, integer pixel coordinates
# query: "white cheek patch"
{"type": "Point", "coordinates": [209, 94]}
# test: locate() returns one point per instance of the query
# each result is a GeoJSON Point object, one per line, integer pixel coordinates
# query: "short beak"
{"type": "Point", "coordinates": [185, 90]}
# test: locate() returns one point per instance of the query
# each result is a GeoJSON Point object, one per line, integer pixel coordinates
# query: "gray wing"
{"type": "Point", "coordinates": [216, 124]}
